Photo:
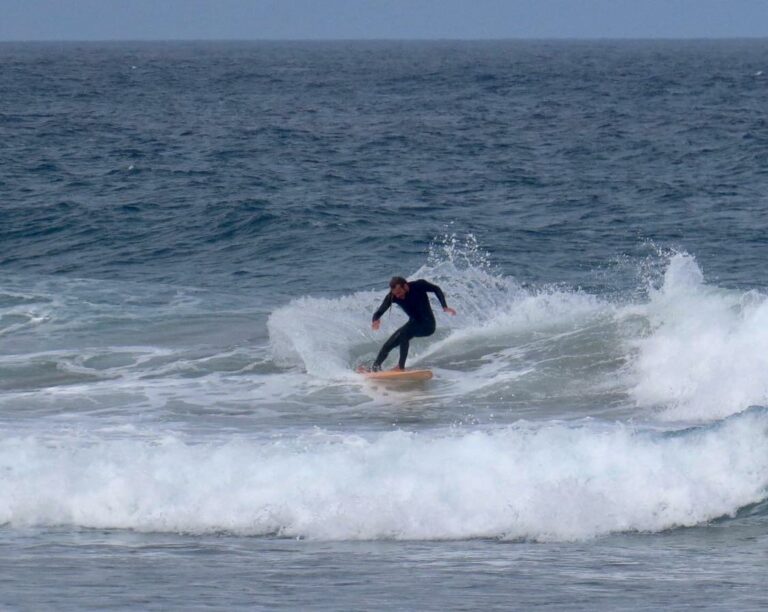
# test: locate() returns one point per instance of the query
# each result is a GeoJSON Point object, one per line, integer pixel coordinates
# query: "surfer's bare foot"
{"type": "Point", "coordinates": [397, 369]}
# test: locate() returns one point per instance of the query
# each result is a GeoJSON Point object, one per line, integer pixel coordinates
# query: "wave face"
{"type": "Point", "coordinates": [549, 482]}
{"type": "Point", "coordinates": [673, 347]}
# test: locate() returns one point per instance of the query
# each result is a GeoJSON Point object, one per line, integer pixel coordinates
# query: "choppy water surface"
{"type": "Point", "coordinates": [194, 237]}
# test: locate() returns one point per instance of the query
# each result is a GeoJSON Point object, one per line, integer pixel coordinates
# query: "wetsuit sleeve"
{"type": "Point", "coordinates": [437, 291]}
{"type": "Point", "coordinates": [383, 308]}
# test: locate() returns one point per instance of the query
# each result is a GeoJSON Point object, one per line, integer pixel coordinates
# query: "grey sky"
{"type": "Point", "coordinates": [344, 19]}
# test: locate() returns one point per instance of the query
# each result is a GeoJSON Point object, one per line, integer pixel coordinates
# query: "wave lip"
{"type": "Point", "coordinates": [550, 482]}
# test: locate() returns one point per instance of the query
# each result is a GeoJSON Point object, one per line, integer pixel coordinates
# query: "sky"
{"type": "Point", "coordinates": [379, 19]}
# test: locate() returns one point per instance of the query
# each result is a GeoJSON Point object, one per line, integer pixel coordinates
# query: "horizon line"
{"type": "Point", "coordinates": [393, 39]}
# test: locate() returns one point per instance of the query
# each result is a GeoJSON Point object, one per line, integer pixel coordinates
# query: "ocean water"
{"type": "Point", "coordinates": [193, 237]}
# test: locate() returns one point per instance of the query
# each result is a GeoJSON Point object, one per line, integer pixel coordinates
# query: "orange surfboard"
{"type": "Point", "coordinates": [397, 374]}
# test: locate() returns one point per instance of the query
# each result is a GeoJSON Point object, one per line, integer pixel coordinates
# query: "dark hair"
{"type": "Point", "coordinates": [395, 281]}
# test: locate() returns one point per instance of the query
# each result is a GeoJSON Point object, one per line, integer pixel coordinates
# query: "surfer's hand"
{"type": "Point", "coordinates": [375, 325]}
{"type": "Point", "coordinates": [450, 311]}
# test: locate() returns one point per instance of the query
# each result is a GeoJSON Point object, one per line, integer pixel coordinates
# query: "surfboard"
{"type": "Point", "coordinates": [397, 374]}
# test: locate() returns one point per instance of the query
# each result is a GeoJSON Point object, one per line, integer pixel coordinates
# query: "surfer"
{"type": "Point", "coordinates": [413, 299]}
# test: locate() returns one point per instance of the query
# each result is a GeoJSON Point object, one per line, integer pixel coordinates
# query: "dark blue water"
{"type": "Point", "coordinates": [193, 237]}
{"type": "Point", "coordinates": [209, 163]}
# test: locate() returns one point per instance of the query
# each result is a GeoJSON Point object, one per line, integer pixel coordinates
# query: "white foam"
{"type": "Point", "coordinates": [548, 482]}
{"type": "Point", "coordinates": [706, 354]}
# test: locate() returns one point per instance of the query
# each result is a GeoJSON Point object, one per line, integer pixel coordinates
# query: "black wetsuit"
{"type": "Point", "coordinates": [421, 320]}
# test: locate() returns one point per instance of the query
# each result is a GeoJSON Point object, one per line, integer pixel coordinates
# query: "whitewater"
{"type": "Point", "coordinates": [555, 415]}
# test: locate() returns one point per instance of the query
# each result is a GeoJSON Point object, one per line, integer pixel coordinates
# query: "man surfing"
{"type": "Point", "coordinates": [413, 299]}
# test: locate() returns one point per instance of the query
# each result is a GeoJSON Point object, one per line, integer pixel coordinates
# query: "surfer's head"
{"type": "Point", "coordinates": [398, 286]}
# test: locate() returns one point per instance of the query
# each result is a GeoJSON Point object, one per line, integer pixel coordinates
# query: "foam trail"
{"type": "Point", "coordinates": [547, 482]}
